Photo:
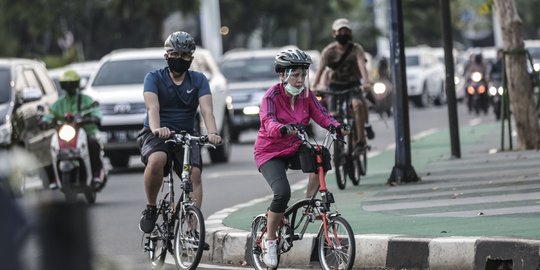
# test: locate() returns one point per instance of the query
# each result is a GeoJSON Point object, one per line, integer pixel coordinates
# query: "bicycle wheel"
{"type": "Point", "coordinates": [363, 162]}
{"type": "Point", "coordinates": [338, 251]}
{"type": "Point", "coordinates": [352, 169]}
{"type": "Point", "coordinates": [340, 164]}
{"type": "Point", "coordinates": [189, 238]}
{"type": "Point", "coordinates": [359, 165]}
{"type": "Point", "coordinates": [258, 229]}
{"type": "Point", "coordinates": [157, 243]}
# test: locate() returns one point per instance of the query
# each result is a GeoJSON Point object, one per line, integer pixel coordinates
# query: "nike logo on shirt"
{"type": "Point", "coordinates": [190, 90]}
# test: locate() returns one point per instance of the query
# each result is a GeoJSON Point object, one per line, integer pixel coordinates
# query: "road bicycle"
{"type": "Point", "coordinates": [336, 244]}
{"type": "Point", "coordinates": [350, 160]}
{"type": "Point", "coordinates": [180, 228]}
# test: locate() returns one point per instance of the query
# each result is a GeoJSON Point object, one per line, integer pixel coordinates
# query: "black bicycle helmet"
{"type": "Point", "coordinates": [180, 42]}
{"type": "Point", "coordinates": [291, 58]}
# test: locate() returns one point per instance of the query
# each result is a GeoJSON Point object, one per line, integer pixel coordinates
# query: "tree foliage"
{"type": "Point", "coordinates": [32, 28]}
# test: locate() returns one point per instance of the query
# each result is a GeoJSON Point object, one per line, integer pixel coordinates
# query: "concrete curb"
{"type": "Point", "coordinates": [374, 251]}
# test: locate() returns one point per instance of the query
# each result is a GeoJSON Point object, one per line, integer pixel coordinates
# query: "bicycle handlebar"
{"type": "Point", "coordinates": [337, 93]}
{"type": "Point", "coordinates": [183, 137]}
{"type": "Point", "coordinates": [333, 132]}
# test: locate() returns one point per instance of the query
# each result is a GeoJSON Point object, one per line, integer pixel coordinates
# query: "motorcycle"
{"type": "Point", "coordinates": [495, 93]}
{"type": "Point", "coordinates": [477, 96]}
{"type": "Point", "coordinates": [380, 96]}
{"type": "Point", "coordinates": [71, 158]}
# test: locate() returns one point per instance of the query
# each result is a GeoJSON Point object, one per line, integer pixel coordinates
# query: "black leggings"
{"type": "Point", "coordinates": [274, 171]}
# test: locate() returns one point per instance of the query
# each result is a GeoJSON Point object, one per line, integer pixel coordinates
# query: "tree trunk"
{"type": "Point", "coordinates": [519, 82]}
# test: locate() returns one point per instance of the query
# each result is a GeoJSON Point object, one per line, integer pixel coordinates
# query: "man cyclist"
{"type": "Point", "coordinates": [345, 62]}
{"type": "Point", "coordinates": [73, 101]}
{"type": "Point", "coordinates": [172, 95]}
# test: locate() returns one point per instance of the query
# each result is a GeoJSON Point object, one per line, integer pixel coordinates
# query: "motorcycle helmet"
{"type": "Point", "coordinates": [291, 58]}
{"type": "Point", "coordinates": [180, 42]}
{"type": "Point", "coordinates": [69, 81]}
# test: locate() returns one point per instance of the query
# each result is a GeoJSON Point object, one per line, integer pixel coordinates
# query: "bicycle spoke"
{"type": "Point", "coordinates": [338, 251]}
{"type": "Point", "coordinates": [189, 239]}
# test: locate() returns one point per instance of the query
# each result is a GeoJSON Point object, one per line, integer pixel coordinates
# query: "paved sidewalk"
{"type": "Point", "coordinates": [478, 212]}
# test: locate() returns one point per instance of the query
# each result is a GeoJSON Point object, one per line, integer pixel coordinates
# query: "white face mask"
{"type": "Point", "coordinates": [293, 90]}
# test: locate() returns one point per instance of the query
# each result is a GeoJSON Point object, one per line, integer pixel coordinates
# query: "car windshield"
{"type": "Point", "coordinates": [535, 52]}
{"type": "Point", "coordinates": [5, 87]}
{"type": "Point", "coordinates": [250, 69]}
{"type": "Point", "coordinates": [126, 72]}
{"type": "Point", "coordinates": [412, 60]}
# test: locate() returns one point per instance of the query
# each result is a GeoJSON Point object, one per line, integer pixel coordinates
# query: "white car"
{"type": "Point", "coordinates": [533, 46]}
{"type": "Point", "coordinates": [425, 76]}
{"type": "Point", "coordinates": [118, 87]}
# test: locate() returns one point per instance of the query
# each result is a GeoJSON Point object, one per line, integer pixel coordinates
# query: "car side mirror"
{"type": "Point", "coordinates": [30, 94]}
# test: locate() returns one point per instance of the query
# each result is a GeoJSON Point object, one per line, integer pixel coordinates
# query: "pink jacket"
{"type": "Point", "coordinates": [275, 112]}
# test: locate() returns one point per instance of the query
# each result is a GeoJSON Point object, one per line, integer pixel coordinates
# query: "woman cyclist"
{"type": "Point", "coordinates": [283, 105]}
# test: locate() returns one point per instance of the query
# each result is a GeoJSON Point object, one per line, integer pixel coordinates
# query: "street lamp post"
{"type": "Point", "coordinates": [403, 171]}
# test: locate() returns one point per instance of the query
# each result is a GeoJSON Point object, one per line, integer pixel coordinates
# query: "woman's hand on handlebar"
{"type": "Point", "coordinates": [162, 132]}
{"type": "Point", "coordinates": [288, 129]}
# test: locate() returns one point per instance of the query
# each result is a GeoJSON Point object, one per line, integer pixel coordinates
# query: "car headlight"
{"type": "Point", "coordinates": [67, 133]}
{"type": "Point", "coordinates": [249, 110]}
{"type": "Point", "coordinates": [5, 133]}
{"type": "Point", "coordinates": [536, 67]}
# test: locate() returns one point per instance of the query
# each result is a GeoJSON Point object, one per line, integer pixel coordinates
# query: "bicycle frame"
{"type": "Point", "coordinates": [185, 140]}
{"type": "Point", "coordinates": [319, 206]}
{"type": "Point", "coordinates": [345, 157]}
{"type": "Point", "coordinates": [173, 214]}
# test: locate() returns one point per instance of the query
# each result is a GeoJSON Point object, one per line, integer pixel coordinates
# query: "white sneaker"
{"type": "Point", "coordinates": [270, 257]}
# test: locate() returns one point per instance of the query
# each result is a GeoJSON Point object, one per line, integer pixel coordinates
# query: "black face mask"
{"type": "Point", "coordinates": [178, 65]}
{"type": "Point", "coordinates": [343, 39]}
{"type": "Point", "coordinates": [70, 87]}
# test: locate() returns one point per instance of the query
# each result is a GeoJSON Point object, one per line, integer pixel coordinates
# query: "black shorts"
{"type": "Point", "coordinates": [149, 143]}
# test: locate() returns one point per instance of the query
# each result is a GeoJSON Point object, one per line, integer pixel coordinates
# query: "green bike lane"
{"type": "Point", "coordinates": [444, 180]}
{"type": "Point", "coordinates": [486, 203]}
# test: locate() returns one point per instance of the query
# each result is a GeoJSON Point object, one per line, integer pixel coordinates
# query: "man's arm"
{"type": "Point", "coordinates": [361, 61]}
{"type": "Point", "coordinates": [207, 112]}
{"type": "Point", "coordinates": [151, 102]}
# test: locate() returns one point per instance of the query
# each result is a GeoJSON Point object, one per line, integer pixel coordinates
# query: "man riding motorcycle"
{"type": "Point", "coordinates": [73, 102]}
{"type": "Point", "coordinates": [476, 85]}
